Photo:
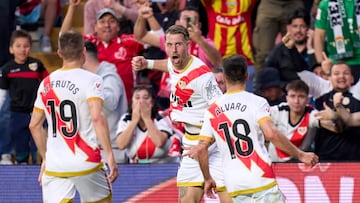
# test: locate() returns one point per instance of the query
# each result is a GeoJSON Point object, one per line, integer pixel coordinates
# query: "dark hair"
{"type": "Point", "coordinates": [71, 44]}
{"type": "Point", "coordinates": [150, 91]}
{"type": "Point", "coordinates": [299, 13]}
{"type": "Point", "coordinates": [91, 49]}
{"type": "Point", "coordinates": [188, 8]}
{"type": "Point", "coordinates": [19, 34]}
{"type": "Point", "coordinates": [178, 29]}
{"type": "Point", "coordinates": [297, 85]}
{"type": "Point", "coordinates": [235, 69]}
{"type": "Point", "coordinates": [219, 69]}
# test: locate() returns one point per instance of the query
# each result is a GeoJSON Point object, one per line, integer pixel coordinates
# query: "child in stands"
{"type": "Point", "coordinates": [21, 76]}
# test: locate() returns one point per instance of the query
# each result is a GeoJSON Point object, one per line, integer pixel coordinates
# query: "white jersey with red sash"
{"type": "Point", "coordinates": [192, 91]}
{"type": "Point", "coordinates": [142, 149]}
{"type": "Point", "coordinates": [233, 120]}
{"type": "Point", "coordinates": [296, 133]}
{"type": "Point", "coordinates": [72, 147]}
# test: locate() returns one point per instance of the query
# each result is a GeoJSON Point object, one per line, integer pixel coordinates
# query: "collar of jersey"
{"type": "Point", "coordinates": [186, 67]}
{"type": "Point", "coordinates": [234, 92]}
{"type": "Point", "coordinates": [65, 68]}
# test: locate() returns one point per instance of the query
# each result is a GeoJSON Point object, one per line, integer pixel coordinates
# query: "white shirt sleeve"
{"type": "Point", "coordinates": [317, 85]}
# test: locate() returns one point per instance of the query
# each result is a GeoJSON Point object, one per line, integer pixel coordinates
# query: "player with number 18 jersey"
{"type": "Point", "coordinates": [234, 120]}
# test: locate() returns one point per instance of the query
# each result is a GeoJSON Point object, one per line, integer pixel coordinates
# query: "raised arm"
{"type": "Point", "coordinates": [213, 55]}
{"type": "Point", "coordinates": [127, 9]}
{"type": "Point", "coordinates": [319, 43]}
{"type": "Point", "coordinates": [140, 32]}
{"type": "Point", "coordinates": [67, 23]}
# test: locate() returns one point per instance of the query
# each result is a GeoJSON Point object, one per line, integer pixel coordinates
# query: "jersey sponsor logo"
{"type": "Point", "coordinates": [33, 66]}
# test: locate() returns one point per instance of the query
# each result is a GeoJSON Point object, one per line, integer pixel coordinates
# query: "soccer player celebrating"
{"type": "Point", "coordinates": [239, 122]}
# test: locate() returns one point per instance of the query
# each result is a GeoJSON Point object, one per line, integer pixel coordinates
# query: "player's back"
{"type": "Point", "coordinates": [72, 144]}
{"type": "Point", "coordinates": [236, 128]}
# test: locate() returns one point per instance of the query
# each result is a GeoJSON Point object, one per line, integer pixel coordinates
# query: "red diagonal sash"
{"type": "Point", "coordinates": [298, 135]}
{"type": "Point", "coordinates": [50, 95]}
{"type": "Point", "coordinates": [220, 117]}
{"type": "Point", "coordinates": [182, 94]}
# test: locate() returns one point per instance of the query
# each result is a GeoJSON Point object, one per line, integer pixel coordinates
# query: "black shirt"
{"type": "Point", "coordinates": [344, 146]}
{"type": "Point", "coordinates": [22, 81]}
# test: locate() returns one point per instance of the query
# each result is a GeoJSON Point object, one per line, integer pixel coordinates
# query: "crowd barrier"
{"type": "Point", "coordinates": [156, 183]}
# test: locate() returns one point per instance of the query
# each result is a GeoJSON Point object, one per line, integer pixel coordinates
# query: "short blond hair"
{"type": "Point", "coordinates": [71, 44]}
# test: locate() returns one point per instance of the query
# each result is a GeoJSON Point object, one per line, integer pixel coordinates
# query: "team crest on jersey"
{"type": "Point", "coordinates": [302, 130]}
{"type": "Point", "coordinates": [121, 53]}
{"type": "Point", "coordinates": [33, 66]}
{"type": "Point", "coordinates": [182, 84]}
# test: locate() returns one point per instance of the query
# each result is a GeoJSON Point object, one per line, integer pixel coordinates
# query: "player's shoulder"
{"type": "Point", "coordinates": [253, 98]}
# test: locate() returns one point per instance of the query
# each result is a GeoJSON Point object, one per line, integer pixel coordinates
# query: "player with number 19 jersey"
{"type": "Point", "coordinates": [233, 121]}
{"type": "Point", "coordinates": [72, 147]}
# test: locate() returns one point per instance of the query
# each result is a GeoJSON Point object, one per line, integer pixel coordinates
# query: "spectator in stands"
{"type": "Point", "coordinates": [125, 8]}
{"type": "Point", "coordinates": [115, 102]}
{"type": "Point", "coordinates": [298, 30]}
{"type": "Point", "coordinates": [344, 146]}
{"type": "Point", "coordinates": [270, 20]}
{"type": "Point", "coordinates": [230, 27]}
{"type": "Point", "coordinates": [165, 15]}
{"type": "Point", "coordinates": [21, 77]}
{"type": "Point", "coordinates": [143, 132]}
{"type": "Point", "coordinates": [296, 119]}
{"type": "Point", "coordinates": [30, 13]}
{"type": "Point", "coordinates": [336, 31]}
{"type": "Point", "coordinates": [7, 24]}
{"type": "Point", "coordinates": [112, 48]}
{"type": "Point", "coordinates": [199, 46]}
{"type": "Point", "coordinates": [268, 85]}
